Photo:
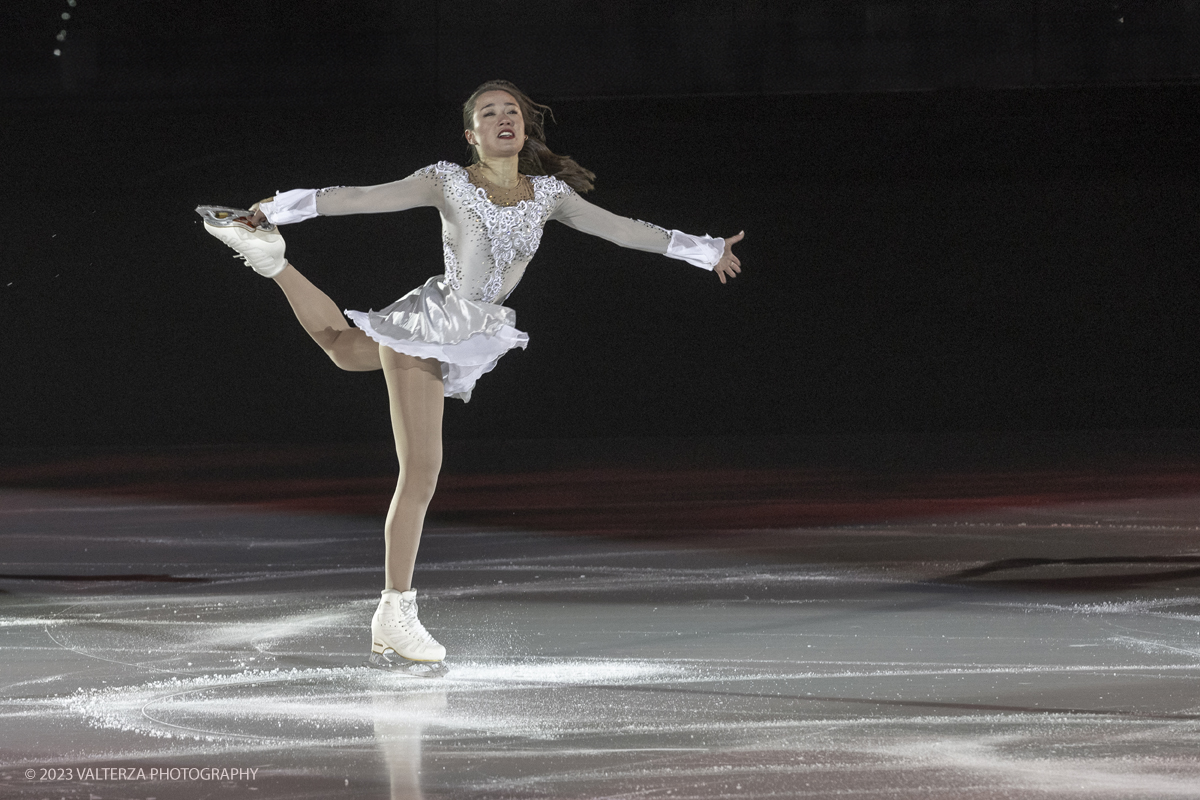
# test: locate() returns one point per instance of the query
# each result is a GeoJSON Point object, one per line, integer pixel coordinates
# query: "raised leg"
{"type": "Point", "coordinates": [346, 345]}
{"type": "Point", "coordinates": [415, 395]}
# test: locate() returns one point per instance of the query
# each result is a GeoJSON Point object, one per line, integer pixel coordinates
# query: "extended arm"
{"type": "Point", "coordinates": [701, 251]}
{"type": "Point", "coordinates": [418, 189]}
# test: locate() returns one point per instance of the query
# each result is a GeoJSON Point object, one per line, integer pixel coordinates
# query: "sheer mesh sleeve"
{"type": "Point", "coordinates": [581, 215]}
{"type": "Point", "coordinates": [422, 188]}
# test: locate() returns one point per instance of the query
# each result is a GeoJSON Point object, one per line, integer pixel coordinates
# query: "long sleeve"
{"type": "Point", "coordinates": [419, 189]}
{"type": "Point", "coordinates": [575, 212]}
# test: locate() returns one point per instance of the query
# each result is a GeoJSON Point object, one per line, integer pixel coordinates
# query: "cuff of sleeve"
{"type": "Point", "coordinates": [700, 251]}
{"type": "Point", "coordinates": [292, 206]}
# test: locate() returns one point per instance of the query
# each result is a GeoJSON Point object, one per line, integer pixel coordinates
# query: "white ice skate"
{"type": "Point", "coordinates": [262, 248]}
{"type": "Point", "coordinates": [395, 630]}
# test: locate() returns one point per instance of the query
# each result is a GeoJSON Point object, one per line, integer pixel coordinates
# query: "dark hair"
{"type": "Point", "coordinates": [535, 157]}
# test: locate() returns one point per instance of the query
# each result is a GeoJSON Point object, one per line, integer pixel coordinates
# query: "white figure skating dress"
{"type": "Point", "coordinates": [458, 317]}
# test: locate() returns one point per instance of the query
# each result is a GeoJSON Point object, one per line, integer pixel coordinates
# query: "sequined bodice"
{"type": "Point", "coordinates": [487, 246]}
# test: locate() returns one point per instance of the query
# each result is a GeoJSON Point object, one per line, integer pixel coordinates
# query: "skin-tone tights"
{"type": "Point", "coordinates": [415, 399]}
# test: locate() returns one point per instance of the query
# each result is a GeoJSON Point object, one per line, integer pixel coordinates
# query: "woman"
{"type": "Point", "coordinates": [437, 341]}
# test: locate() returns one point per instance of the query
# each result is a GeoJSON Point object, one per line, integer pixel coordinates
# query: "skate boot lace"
{"type": "Point", "coordinates": [256, 254]}
{"type": "Point", "coordinates": [256, 258]}
{"type": "Point", "coordinates": [409, 621]}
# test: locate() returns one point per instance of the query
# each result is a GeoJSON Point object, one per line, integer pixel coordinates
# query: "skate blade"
{"type": "Point", "coordinates": [398, 664]}
{"type": "Point", "coordinates": [222, 217]}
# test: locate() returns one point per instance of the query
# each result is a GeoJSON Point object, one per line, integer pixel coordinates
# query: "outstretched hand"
{"type": "Point", "coordinates": [729, 265]}
{"type": "Point", "coordinates": [257, 217]}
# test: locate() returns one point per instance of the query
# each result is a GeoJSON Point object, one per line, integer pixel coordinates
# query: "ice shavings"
{"type": "Point", "coordinates": [333, 703]}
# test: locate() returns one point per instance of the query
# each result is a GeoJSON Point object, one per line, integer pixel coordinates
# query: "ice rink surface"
{"type": "Point", "coordinates": [1027, 646]}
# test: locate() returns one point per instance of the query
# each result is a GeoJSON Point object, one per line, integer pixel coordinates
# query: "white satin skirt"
{"type": "Point", "coordinates": [466, 336]}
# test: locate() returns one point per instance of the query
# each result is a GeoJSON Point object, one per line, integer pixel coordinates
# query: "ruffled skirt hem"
{"type": "Point", "coordinates": [466, 336]}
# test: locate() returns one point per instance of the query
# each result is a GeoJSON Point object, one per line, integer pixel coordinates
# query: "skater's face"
{"type": "Point", "coordinates": [499, 129]}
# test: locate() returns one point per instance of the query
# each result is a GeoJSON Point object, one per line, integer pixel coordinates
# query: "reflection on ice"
{"type": "Point", "coordinates": [400, 721]}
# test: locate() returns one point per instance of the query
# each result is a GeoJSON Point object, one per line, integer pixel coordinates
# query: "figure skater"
{"type": "Point", "coordinates": [439, 339]}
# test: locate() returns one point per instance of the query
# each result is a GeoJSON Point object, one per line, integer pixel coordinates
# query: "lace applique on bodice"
{"type": "Point", "coordinates": [486, 246]}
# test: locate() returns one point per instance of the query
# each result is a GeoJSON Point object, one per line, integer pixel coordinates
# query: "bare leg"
{"type": "Point", "coordinates": [346, 345]}
{"type": "Point", "coordinates": [416, 400]}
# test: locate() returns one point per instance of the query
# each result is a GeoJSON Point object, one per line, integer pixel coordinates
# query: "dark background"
{"type": "Point", "coordinates": [959, 216]}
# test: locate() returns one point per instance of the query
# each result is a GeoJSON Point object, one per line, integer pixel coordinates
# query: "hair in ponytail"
{"type": "Point", "coordinates": [535, 157]}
